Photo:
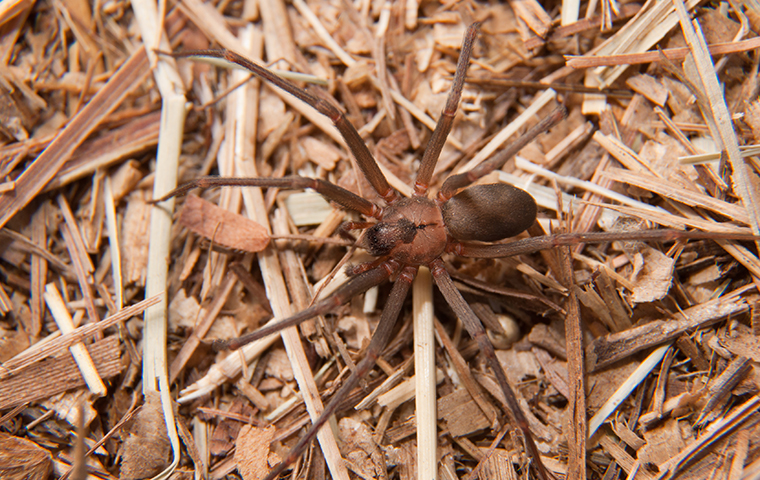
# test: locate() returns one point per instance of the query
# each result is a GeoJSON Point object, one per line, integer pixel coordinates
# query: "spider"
{"type": "Point", "coordinates": [411, 232]}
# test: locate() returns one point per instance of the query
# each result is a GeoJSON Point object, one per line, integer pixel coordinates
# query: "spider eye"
{"type": "Point", "coordinates": [383, 237]}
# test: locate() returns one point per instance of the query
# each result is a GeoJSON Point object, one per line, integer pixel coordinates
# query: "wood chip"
{"type": "Point", "coordinates": [56, 375]}
{"type": "Point", "coordinates": [22, 459]}
{"type": "Point", "coordinates": [461, 414]}
{"type": "Point", "coordinates": [222, 226]}
{"type": "Point", "coordinates": [663, 442]}
{"type": "Point", "coordinates": [134, 229]}
{"type": "Point", "coordinates": [498, 466]}
{"type": "Point", "coordinates": [649, 87]}
{"type": "Point", "coordinates": [607, 350]}
{"type": "Point", "coordinates": [147, 449]}
{"type": "Point", "coordinates": [252, 451]}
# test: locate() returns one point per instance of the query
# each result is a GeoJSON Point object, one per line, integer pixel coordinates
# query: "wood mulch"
{"type": "Point", "coordinates": [109, 304]}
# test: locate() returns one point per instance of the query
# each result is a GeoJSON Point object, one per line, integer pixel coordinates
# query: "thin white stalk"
{"type": "Point", "coordinates": [425, 376]}
{"type": "Point", "coordinates": [410, 14]}
{"type": "Point", "coordinates": [370, 300]}
{"type": "Point", "coordinates": [227, 369]}
{"type": "Point", "coordinates": [626, 388]}
{"type": "Point", "coordinates": [531, 167]}
{"type": "Point", "coordinates": [113, 241]}
{"type": "Point", "coordinates": [171, 131]}
{"type": "Point", "coordinates": [745, 151]}
{"type": "Point", "coordinates": [82, 358]}
{"type": "Point", "coordinates": [403, 392]}
{"type": "Point", "coordinates": [570, 11]}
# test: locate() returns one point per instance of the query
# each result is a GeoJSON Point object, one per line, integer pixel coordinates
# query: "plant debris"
{"type": "Point", "coordinates": [109, 304]}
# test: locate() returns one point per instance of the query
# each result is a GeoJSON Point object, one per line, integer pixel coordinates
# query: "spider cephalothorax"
{"type": "Point", "coordinates": [412, 230]}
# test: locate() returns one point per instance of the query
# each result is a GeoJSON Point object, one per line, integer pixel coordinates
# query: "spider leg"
{"type": "Point", "coordinates": [534, 244]}
{"type": "Point", "coordinates": [354, 141]}
{"type": "Point", "coordinates": [343, 294]}
{"type": "Point", "coordinates": [443, 127]}
{"type": "Point", "coordinates": [461, 180]}
{"type": "Point", "coordinates": [478, 333]}
{"type": "Point", "coordinates": [379, 340]}
{"type": "Point", "coordinates": [339, 195]}
{"type": "Point", "coordinates": [530, 300]}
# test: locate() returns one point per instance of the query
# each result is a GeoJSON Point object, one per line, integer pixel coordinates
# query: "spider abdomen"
{"type": "Point", "coordinates": [489, 212]}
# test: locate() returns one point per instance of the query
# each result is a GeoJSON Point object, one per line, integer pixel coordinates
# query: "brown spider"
{"type": "Point", "coordinates": [417, 231]}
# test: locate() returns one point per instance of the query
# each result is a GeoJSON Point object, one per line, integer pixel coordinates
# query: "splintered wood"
{"type": "Point", "coordinates": [650, 347]}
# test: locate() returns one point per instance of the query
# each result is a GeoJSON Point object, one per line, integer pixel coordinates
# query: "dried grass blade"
{"type": "Point", "coordinates": [622, 152]}
{"type": "Point", "coordinates": [677, 222]}
{"type": "Point", "coordinates": [82, 276]}
{"type": "Point", "coordinates": [38, 270]}
{"type": "Point", "coordinates": [78, 351]}
{"type": "Point", "coordinates": [576, 373]}
{"type": "Point", "coordinates": [301, 369]}
{"type": "Point", "coordinates": [117, 144]}
{"type": "Point", "coordinates": [673, 54]}
{"type": "Point", "coordinates": [668, 189]}
{"type": "Point", "coordinates": [570, 12]}
{"type": "Point", "coordinates": [424, 374]}
{"type": "Point", "coordinates": [626, 388]}
{"type": "Point", "coordinates": [171, 131]}
{"type": "Point", "coordinates": [530, 167]}
{"type": "Point", "coordinates": [746, 187]}
{"type": "Point", "coordinates": [649, 26]}
{"type": "Point", "coordinates": [49, 162]}
{"type": "Point", "coordinates": [115, 245]}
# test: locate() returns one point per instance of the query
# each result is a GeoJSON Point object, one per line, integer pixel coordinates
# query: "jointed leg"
{"type": "Point", "coordinates": [455, 182]}
{"type": "Point", "coordinates": [534, 244]}
{"type": "Point", "coordinates": [478, 333]}
{"type": "Point", "coordinates": [339, 195]}
{"type": "Point", "coordinates": [358, 148]}
{"type": "Point", "coordinates": [377, 344]}
{"type": "Point", "coordinates": [442, 129]}
{"type": "Point", "coordinates": [343, 294]}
